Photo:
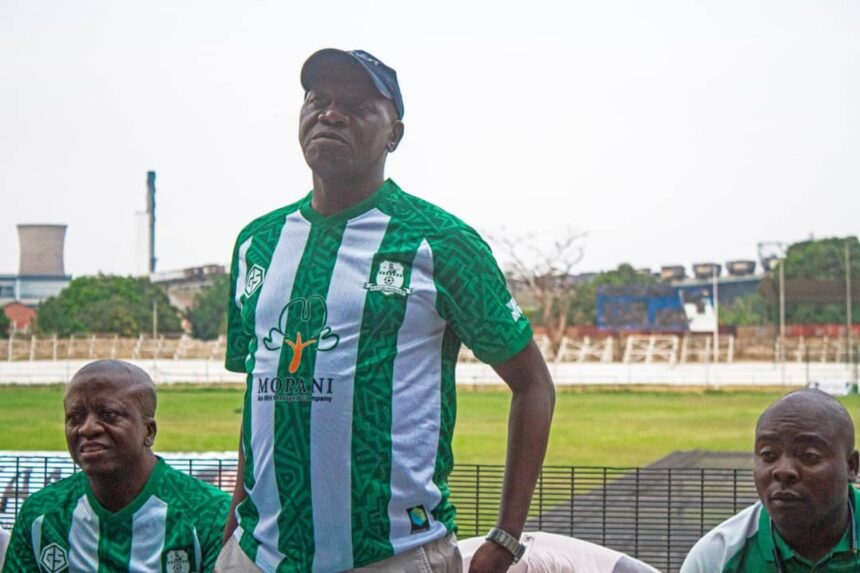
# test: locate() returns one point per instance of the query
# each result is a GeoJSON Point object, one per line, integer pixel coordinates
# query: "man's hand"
{"type": "Point", "coordinates": [491, 558]}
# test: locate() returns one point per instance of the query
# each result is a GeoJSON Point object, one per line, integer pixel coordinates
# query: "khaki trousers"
{"type": "Point", "coordinates": [440, 556]}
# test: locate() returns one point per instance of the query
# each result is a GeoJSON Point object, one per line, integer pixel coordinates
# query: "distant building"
{"type": "Point", "coordinates": [41, 272]}
{"type": "Point", "coordinates": [182, 286]}
{"type": "Point", "coordinates": [20, 316]}
{"type": "Point", "coordinates": [680, 303]}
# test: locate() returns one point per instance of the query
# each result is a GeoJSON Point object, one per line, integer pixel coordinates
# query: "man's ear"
{"type": "Point", "coordinates": [853, 462]}
{"type": "Point", "coordinates": [151, 431]}
{"type": "Point", "coordinates": [397, 129]}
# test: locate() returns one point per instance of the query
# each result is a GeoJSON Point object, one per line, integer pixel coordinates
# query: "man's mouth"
{"type": "Point", "coordinates": [327, 135]}
{"type": "Point", "coordinates": [91, 448]}
{"type": "Point", "coordinates": [785, 498]}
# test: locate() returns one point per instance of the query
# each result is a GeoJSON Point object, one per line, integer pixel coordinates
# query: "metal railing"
{"type": "Point", "coordinates": [654, 514]}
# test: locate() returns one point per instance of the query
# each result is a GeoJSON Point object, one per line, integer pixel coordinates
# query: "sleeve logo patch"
{"type": "Point", "coordinates": [254, 279]}
{"type": "Point", "coordinates": [389, 280]}
{"type": "Point", "coordinates": [516, 311]}
{"type": "Point", "coordinates": [54, 558]}
{"type": "Point", "coordinates": [418, 518]}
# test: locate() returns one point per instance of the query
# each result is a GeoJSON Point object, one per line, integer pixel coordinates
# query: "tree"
{"type": "Point", "coordinates": [102, 304]}
{"type": "Point", "coordinates": [583, 306]}
{"type": "Point", "coordinates": [208, 314]}
{"type": "Point", "coordinates": [747, 310]}
{"type": "Point", "coordinates": [5, 323]}
{"type": "Point", "coordinates": [546, 272]}
{"type": "Point", "coordinates": [815, 282]}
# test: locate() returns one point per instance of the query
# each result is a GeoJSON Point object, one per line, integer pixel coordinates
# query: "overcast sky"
{"type": "Point", "coordinates": [670, 132]}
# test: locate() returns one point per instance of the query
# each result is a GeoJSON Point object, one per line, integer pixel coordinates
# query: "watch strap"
{"type": "Point", "coordinates": [508, 541]}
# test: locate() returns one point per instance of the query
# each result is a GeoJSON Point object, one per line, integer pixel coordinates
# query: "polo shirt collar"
{"type": "Point", "coordinates": [767, 540]}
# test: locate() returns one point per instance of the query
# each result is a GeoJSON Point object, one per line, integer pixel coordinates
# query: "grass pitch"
{"type": "Point", "coordinates": [591, 428]}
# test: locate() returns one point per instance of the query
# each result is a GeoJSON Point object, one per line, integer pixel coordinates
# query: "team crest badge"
{"type": "Point", "coordinates": [389, 280]}
{"type": "Point", "coordinates": [54, 558]}
{"type": "Point", "coordinates": [178, 562]}
{"type": "Point", "coordinates": [256, 276]}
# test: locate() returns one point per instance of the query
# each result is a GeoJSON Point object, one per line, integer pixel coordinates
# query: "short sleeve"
{"type": "Point", "coordinates": [19, 553]}
{"type": "Point", "coordinates": [214, 535]}
{"type": "Point", "coordinates": [237, 338]}
{"type": "Point", "coordinates": [473, 297]}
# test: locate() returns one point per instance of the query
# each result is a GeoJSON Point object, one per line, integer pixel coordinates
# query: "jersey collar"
{"type": "Point", "coordinates": [771, 542]}
{"type": "Point", "coordinates": [136, 503]}
{"type": "Point", "coordinates": [388, 186]}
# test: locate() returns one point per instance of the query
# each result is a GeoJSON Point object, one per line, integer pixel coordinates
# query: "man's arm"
{"type": "Point", "coordinates": [528, 431]}
{"type": "Point", "coordinates": [239, 494]}
{"type": "Point", "coordinates": [19, 553]}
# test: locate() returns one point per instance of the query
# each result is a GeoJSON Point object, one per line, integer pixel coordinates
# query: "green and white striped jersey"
{"type": "Point", "coordinates": [174, 525]}
{"type": "Point", "coordinates": [746, 543]}
{"type": "Point", "coordinates": [348, 328]}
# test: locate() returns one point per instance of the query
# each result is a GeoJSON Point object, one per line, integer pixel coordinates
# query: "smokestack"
{"type": "Point", "coordinates": [150, 212]}
{"type": "Point", "coordinates": [41, 250]}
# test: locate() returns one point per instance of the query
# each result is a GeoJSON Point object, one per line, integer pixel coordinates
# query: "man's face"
{"type": "Point", "coordinates": [106, 432]}
{"type": "Point", "coordinates": [346, 127]}
{"type": "Point", "coordinates": [802, 466]}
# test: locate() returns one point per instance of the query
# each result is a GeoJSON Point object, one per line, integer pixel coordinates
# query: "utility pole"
{"type": "Point", "coordinates": [848, 318]}
{"type": "Point", "coordinates": [154, 320]}
{"type": "Point", "coordinates": [782, 309]}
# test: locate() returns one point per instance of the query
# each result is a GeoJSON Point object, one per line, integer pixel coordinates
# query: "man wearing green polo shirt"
{"type": "Point", "coordinates": [805, 465]}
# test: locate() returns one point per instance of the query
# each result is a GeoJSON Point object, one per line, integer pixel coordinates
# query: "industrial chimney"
{"type": "Point", "coordinates": [41, 250]}
{"type": "Point", "coordinates": [150, 212]}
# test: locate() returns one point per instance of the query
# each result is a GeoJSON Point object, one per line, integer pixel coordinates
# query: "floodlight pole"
{"type": "Point", "coordinates": [716, 289]}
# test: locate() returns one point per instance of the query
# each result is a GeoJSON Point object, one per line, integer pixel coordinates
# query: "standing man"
{"type": "Point", "coordinates": [126, 510]}
{"type": "Point", "coordinates": [807, 520]}
{"type": "Point", "coordinates": [347, 311]}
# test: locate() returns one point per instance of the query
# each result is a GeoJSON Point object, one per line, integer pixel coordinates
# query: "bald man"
{"type": "Point", "coordinates": [805, 467]}
{"type": "Point", "coordinates": [127, 510]}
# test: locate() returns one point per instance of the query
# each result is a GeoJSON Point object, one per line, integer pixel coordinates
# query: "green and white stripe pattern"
{"type": "Point", "coordinates": [174, 524]}
{"type": "Point", "coordinates": [349, 328]}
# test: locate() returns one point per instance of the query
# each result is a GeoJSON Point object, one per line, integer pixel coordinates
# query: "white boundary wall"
{"type": "Point", "coordinates": [712, 375]}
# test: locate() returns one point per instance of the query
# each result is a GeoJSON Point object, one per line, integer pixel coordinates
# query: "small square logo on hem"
{"type": "Point", "coordinates": [418, 519]}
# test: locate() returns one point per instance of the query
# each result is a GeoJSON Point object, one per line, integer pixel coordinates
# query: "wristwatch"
{"type": "Point", "coordinates": [508, 541]}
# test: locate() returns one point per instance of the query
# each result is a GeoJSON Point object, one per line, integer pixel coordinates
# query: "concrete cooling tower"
{"type": "Point", "coordinates": [41, 250]}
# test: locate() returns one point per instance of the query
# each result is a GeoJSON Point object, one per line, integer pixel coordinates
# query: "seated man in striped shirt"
{"type": "Point", "coordinates": [127, 510]}
{"type": "Point", "coordinates": [807, 520]}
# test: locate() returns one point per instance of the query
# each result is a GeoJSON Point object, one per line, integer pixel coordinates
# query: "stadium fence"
{"type": "Point", "coordinates": [654, 514]}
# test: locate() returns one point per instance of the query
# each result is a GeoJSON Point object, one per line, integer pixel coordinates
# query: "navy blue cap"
{"type": "Point", "coordinates": [383, 77]}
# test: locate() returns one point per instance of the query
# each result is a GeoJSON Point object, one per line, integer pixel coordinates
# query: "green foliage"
{"type": "Point", "coordinates": [107, 304]}
{"type": "Point", "coordinates": [748, 310]}
{"type": "Point", "coordinates": [820, 259]}
{"type": "Point", "coordinates": [208, 314]}
{"type": "Point", "coordinates": [583, 307]}
{"type": "Point", "coordinates": [5, 323]}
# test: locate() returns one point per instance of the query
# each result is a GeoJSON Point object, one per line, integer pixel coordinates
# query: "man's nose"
{"type": "Point", "coordinates": [785, 470]}
{"type": "Point", "coordinates": [90, 426]}
{"type": "Point", "coordinates": [332, 115]}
